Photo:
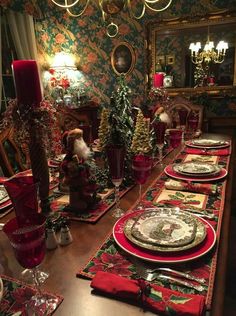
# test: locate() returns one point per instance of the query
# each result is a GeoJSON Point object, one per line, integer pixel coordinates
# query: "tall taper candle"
{"type": "Point", "coordinates": [27, 83]}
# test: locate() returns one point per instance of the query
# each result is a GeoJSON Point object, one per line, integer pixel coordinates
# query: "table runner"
{"type": "Point", "coordinates": [17, 294]}
{"type": "Point", "coordinates": [109, 257]}
{"type": "Point", "coordinates": [93, 215]}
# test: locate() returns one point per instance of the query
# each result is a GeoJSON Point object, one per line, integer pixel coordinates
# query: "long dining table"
{"type": "Point", "coordinates": [64, 262]}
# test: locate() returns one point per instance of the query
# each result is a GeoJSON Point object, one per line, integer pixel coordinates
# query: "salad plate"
{"type": "Point", "coordinates": [198, 238]}
{"type": "Point", "coordinates": [196, 168]}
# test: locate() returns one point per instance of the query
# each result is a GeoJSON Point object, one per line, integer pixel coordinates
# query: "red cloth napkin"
{"type": "Point", "coordinates": [208, 152]}
{"type": "Point", "coordinates": [156, 298]}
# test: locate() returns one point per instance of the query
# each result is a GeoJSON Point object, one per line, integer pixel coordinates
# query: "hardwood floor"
{"type": "Point", "coordinates": [230, 297]}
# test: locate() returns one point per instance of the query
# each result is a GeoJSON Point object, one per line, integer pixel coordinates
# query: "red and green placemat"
{"type": "Point", "coordinates": [92, 215]}
{"type": "Point", "coordinates": [17, 295]}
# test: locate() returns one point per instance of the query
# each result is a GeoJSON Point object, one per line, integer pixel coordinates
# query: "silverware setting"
{"type": "Point", "coordinates": [151, 276]}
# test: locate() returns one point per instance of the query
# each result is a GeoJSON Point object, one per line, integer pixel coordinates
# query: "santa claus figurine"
{"type": "Point", "coordinates": [76, 172]}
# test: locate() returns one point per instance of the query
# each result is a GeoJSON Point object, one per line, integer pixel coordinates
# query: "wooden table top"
{"type": "Point", "coordinates": [64, 262]}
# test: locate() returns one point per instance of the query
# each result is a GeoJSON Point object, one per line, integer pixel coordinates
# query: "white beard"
{"type": "Point", "coordinates": [81, 149]}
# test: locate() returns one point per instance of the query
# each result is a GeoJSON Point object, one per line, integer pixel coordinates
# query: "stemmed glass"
{"type": "Point", "coordinates": [193, 123]}
{"type": "Point", "coordinates": [160, 129]}
{"type": "Point", "coordinates": [116, 158]}
{"type": "Point", "coordinates": [141, 166]}
{"type": "Point", "coordinates": [28, 243]}
{"type": "Point", "coordinates": [23, 192]}
{"type": "Point", "coordinates": [183, 113]}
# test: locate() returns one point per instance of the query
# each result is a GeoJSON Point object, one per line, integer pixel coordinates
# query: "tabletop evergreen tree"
{"type": "Point", "coordinates": [141, 138]}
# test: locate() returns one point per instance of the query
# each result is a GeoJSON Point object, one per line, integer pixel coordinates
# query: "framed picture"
{"type": "Point", "coordinates": [123, 58]}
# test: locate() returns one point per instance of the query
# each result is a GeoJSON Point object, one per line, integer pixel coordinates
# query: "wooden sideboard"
{"type": "Point", "coordinates": [84, 117]}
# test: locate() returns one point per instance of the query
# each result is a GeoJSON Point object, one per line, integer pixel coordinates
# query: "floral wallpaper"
{"type": "Point", "coordinates": [86, 38]}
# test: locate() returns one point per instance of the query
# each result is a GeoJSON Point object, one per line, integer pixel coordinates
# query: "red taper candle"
{"type": "Point", "coordinates": [27, 83]}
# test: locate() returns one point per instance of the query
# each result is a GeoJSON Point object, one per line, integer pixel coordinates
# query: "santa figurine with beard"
{"type": "Point", "coordinates": [76, 172]}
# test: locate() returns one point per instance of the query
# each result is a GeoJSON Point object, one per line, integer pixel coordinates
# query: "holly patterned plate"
{"type": "Point", "coordinates": [196, 168]}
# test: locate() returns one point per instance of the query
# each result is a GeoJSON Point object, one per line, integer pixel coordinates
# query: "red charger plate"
{"type": "Point", "coordinates": [170, 172]}
{"type": "Point", "coordinates": [155, 256]}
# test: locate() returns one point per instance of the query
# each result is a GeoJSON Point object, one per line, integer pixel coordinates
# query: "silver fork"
{"type": "Point", "coordinates": [153, 276]}
{"type": "Point", "coordinates": [179, 273]}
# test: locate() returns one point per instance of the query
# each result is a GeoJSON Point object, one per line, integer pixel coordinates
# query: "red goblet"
{"type": "Point", "coordinates": [160, 129]}
{"type": "Point", "coordinates": [28, 243]}
{"type": "Point", "coordinates": [116, 158]}
{"type": "Point", "coordinates": [23, 192]}
{"type": "Point", "coordinates": [141, 166]}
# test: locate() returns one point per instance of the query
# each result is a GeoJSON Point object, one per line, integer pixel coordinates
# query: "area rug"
{"type": "Point", "coordinates": [17, 295]}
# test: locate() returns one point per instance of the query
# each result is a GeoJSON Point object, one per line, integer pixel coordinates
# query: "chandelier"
{"type": "Point", "coordinates": [210, 53]}
{"type": "Point", "coordinates": [109, 8]}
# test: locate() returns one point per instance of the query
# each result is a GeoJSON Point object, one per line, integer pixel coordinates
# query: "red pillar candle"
{"type": "Point", "coordinates": [158, 79]}
{"type": "Point", "coordinates": [27, 82]}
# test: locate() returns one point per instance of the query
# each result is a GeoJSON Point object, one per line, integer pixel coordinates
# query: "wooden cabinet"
{"type": "Point", "coordinates": [85, 117]}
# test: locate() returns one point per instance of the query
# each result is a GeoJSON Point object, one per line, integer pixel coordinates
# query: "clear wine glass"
{"type": "Point", "coordinates": [160, 129]}
{"type": "Point", "coordinates": [116, 158]}
{"type": "Point", "coordinates": [28, 243]}
{"type": "Point", "coordinates": [193, 124]}
{"type": "Point", "coordinates": [183, 113]}
{"type": "Point", "coordinates": [141, 166]}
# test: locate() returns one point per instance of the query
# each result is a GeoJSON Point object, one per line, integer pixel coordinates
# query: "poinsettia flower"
{"type": "Point", "coordinates": [113, 263]}
{"type": "Point", "coordinates": [22, 295]}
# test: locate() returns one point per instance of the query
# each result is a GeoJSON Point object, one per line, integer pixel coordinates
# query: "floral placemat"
{"type": "Point", "coordinates": [92, 215]}
{"type": "Point", "coordinates": [17, 295]}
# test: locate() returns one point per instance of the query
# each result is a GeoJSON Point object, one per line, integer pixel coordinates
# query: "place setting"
{"type": "Point", "coordinates": [164, 235]}
{"type": "Point", "coordinates": [195, 171]}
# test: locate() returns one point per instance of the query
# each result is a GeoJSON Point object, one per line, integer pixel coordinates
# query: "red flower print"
{"type": "Point", "coordinates": [44, 37]}
{"type": "Point", "coordinates": [22, 295]}
{"type": "Point", "coordinates": [216, 204]}
{"type": "Point", "coordinates": [113, 263]}
{"type": "Point", "coordinates": [81, 23]}
{"type": "Point", "coordinates": [60, 38]}
{"type": "Point", "coordinates": [92, 57]}
{"type": "Point", "coordinates": [124, 29]}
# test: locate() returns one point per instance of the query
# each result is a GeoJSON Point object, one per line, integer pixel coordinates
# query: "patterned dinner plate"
{"type": "Point", "coordinates": [207, 143]}
{"type": "Point", "coordinates": [158, 256]}
{"type": "Point", "coordinates": [199, 178]}
{"type": "Point", "coordinates": [196, 168]}
{"type": "Point", "coordinates": [199, 236]}
{"type": "Point", "coordinates": [165, 227]}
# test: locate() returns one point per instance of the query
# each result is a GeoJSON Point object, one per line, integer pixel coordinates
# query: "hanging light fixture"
{"type": "Point", "coordinates": [209, 52]}
{"type": "Point", "coordinates": [113, 7]}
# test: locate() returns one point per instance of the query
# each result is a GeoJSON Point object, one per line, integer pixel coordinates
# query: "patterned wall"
{"type": "Point", "coordinates": [86, 38]}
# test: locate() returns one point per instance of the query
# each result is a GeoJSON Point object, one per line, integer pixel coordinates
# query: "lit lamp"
{"type": "Point", "coordinates": [62, 79]}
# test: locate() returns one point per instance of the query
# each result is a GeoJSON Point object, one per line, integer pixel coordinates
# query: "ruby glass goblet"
{"type": "Point", "coordinates": [28, 243]}
{"type": "Point", "coordinates": [141, 166]}
{"type": "Point", "coordinates": [160, 129]}
{"type": "Point", "coordinates": [116, 158]}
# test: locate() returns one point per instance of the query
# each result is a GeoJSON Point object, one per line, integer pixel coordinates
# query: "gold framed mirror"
{"type": "Point", "coordinates": [168, 51]}
{"type": "Point", "coordinates": [123, 58]}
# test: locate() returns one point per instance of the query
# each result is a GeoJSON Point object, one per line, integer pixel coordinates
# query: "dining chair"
{"type": "Point", "coordinates": [14, 157]}
{"type": "Point", "coordinates": [180, 103]}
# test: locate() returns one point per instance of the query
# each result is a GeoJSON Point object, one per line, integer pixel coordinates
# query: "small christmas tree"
{"type": "Point", "coordinates": [104, 127]}
{"type": "Point", "coordinates": [141, 137]}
